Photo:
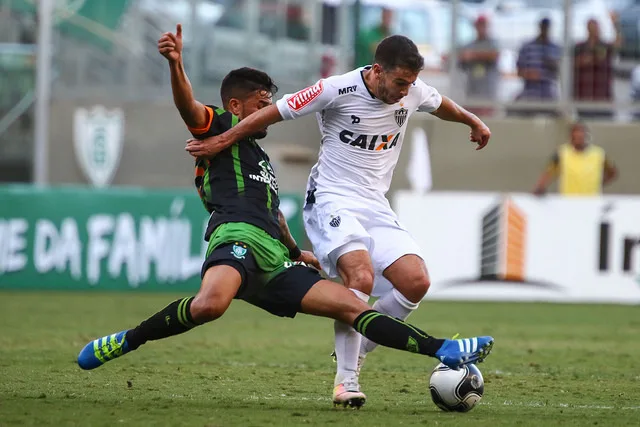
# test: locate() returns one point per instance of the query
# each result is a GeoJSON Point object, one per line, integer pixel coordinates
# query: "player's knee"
{"type": "Point", "coordinates": [361, 279]}
{"type": "Point", "coordinates": [416, 287]}
{"type": "Point", "coordinates": [207, 309]}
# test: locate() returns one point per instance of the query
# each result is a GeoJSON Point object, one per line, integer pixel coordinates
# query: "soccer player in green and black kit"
{"type": "Point", "coordinates": [251, 254]}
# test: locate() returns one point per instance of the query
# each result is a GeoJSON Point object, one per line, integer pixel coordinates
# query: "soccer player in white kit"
{"type": "Point", "coordinates": [355, 234]}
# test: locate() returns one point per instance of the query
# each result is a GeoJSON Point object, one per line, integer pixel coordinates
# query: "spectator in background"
{"type": "Point", "coordinates": [593, 71]}
{"type": "Point", "coordinates": [234, 16]}
{"type": "Point", "coordinates": [369, 38]}
{"type": "Point", "coordinates": [297, 29]}
{"type": "Point", "coordinates": [582, 168]}
{"type": "Point", "coordinates": [538, 63]}
{"type": "Point", "coordinates": [479, 60]}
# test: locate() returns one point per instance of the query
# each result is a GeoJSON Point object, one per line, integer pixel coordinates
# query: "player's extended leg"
{"type": "Point", "coordinates": [219, 285]}
{"type": "Point", "coordinates": [356, 271]}
{"type": "Point", "coordinates": [410, 280]}
{"type": "Point", "coordinates": [329, 299]}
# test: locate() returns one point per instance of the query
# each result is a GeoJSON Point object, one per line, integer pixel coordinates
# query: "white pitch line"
{"type": "Point", "coordinates": [505, 403]}
{"type": "Point", "coordinates": [285, 397]}
{"type": "Point", "coordinates": [560, 405]}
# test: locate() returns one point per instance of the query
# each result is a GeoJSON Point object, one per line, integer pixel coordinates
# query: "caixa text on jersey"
{"type": "Point", "coordinates": [370, 142]}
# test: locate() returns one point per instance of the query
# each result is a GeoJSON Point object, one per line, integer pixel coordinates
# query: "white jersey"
{"type": "Point", "coordinates": [361, 135]}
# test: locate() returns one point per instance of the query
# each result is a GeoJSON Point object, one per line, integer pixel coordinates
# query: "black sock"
{"type": "Point", "coordinates": [391, 332]}
{"type": "Point", "coordinates": [172, 320]}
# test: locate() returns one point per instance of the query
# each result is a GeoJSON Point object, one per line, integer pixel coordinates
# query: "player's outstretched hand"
{"type": "Point", "coordinates": [207, 147]}
{"type": "Point", "coordinates": [170, 45]}
{"type": "Point", "coordinates": [480, 134]}
{"type": "Point", "coordinates": [310, 259]}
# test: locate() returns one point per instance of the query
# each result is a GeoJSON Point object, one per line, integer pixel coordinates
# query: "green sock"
{"type": "Point", "coordinates": [172, 320]}
{"type": "Point", "coordinates": [391, 332]}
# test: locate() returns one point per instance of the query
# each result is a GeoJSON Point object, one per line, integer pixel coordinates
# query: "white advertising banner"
{"type": "Point", "coordinates": [518, 247]}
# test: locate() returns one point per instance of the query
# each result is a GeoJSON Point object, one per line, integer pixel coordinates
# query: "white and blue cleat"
{"type": "Point", "coordinates": [101, 350]}
{"type": "Point", "coordinates": [456, 353]}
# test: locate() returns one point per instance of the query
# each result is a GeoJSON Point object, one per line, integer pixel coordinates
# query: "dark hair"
{"type": "Point", "coordinates": [398, 52]}
{"type": "Point", "coordinates": [241, 82]}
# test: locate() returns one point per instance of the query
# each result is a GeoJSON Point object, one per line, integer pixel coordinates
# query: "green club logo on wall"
{"type": "Point", "coordinates": [98, 136]}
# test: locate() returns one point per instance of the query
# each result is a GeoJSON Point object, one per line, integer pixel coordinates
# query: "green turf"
{"type": "Point", "coordinates": [552, 365]}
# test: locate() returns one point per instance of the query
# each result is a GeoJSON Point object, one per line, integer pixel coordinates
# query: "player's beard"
{"type": "Point", "coordinates": [383, 94]}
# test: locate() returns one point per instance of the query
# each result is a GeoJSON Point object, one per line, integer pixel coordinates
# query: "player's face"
{"type": "Point", "coordinates": [393, 85]}
{"type": "Point", "coordinates": [253, 102]}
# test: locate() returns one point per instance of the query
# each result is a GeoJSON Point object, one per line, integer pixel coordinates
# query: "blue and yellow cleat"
{"type": "Point", "coordinates": [456, 353]}
{"type": "Point", "coordinates": [101, 350]}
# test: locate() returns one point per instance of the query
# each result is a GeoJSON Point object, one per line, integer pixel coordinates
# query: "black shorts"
{"type": "Point", "coordinates": [279, 292]}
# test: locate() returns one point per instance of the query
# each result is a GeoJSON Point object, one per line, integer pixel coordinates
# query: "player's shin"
{"type": "Point", "coordinates": [395, 305]}
{"type": "Point", "coordinates": [395, 333]}
{"type": "Point", "coordinates": [347, 346]}
{"type": "Point", "coordinates": [172, 320]}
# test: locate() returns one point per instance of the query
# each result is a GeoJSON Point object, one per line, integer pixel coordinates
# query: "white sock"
{"type": "Point", "coordinates": [347, 343]}
{"type": "Point", "coordinates": [395, 305]}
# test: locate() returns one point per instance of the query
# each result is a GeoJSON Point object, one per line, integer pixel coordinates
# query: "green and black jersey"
{"type": "Point", "coordinates": [238, 184]}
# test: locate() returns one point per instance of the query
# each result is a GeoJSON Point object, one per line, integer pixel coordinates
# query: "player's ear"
{"type": "Point", "coordinates": [377, 69]}
{"type": "Point", "coordinates": [235, 107]}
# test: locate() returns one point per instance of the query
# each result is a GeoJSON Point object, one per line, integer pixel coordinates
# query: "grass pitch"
{"type": "Point", "coordinates": [570, 365]}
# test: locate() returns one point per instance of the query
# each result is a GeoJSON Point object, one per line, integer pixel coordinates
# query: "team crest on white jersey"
{"type": "Point", "coordinates": [401, 116]}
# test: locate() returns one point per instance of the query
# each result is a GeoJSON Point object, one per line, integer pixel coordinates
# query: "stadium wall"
{"type": "Point", "coordinates": [517, 154]}
{"type": "Point", "coordinates": [153, 150]}
{"type": "Point", "coordinates": [517, 247]}
{"type": "Point", "coordinates": [153, 144]}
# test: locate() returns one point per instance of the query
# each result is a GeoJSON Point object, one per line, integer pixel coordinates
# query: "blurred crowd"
{"type": "Point", "coordinates": [538, 65]}
{"type": "Point", "coordinates": [505, 52]}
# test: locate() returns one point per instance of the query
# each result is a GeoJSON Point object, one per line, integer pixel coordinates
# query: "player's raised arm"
{"type": "Point", "coordinates": [452, 112]}
{"type": "Point", "coordinates": [193, 113]}
{"type": "Point", "coordinates": [291, 106]}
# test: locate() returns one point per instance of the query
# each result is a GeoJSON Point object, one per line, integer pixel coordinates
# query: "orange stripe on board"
{"type": "Point", "coordinates": [515, 243]}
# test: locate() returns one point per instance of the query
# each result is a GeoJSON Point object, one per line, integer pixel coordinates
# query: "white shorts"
{"type": "Point", "coordinates": [336, 227]}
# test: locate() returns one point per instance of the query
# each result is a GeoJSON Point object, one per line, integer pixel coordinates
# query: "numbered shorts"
{"type": "Point", "coordinates": [279, 292]}
{"type": "Point", "coordinates": [338, 227]}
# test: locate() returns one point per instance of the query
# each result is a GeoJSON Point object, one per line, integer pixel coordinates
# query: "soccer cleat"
{"type": "Point", "coordinates": [456, 353]}
{"type": "Point", "coordinates": [101, 350]}
{"type": "Point", "coordinates": [348, 393]}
